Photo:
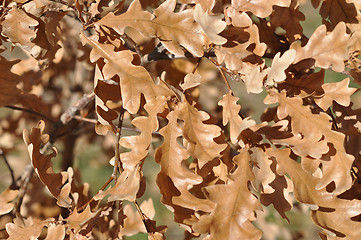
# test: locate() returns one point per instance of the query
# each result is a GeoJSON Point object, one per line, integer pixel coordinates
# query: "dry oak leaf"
{"type": "Point", "coordinates": [328, 49]}
{"type": "Point", "coordinates": [139, 145]}
{"type": "Point", "coordinates": [133, 224]}
{"type": "Point", "coordinates": [173, 29]}
{"type": "Point", "coordinates": [230, 115]}
{"type": "Point", "coordinates": [134, 80]}
{"type": "Point", "coordinates": [260, 8]}
{"type": "Point", "coordinates": [77, 221]}
{"type": "Point", "coordinates": [8, 82]}
{"type": "Point", "coordinates": [339, 92]}
{"type": "Point", "coordinates": [126, 187]}
{"type": "Point", "coordinates": [289, 19]}
{"type": "Point", "coordinates": [235, 205]}
{"type": "Point", "coordinates": [336, 11]}
{"type": "Point", "coordinates": [211, 25]}
{"type": "Point", "coordinates": [191, 80]}
{"type": "Point", "coordinates": [254, 79]}
{"type": "Point", "coordinates": [55, 182]}
{"type": "Point", "coordinates": [276, 73]}
{"type": "Point", "coordinates": [55, 232]}
{"type": "Point", "coordinates": [329, 211]}
{"type": "Point", "coordinates": [25, 229]}
{"type": "Point", "coordinates": [16, 27]}
{"type": "Point", "coordinates": [5, 197]}
{"type": "Point", "coordinates": [199, 137]}
{"type": "Point", "coordinates": [170, 156]}
{"type": "Point", "coordinates": [316, 128]}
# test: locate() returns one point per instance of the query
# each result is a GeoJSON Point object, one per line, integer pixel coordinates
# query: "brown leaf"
{"type": "Point", "coordinates": [339, 92]}
{"type": "Point", "coordinates": [55, 182]}
{"type": "Point", "coordinates": [199, 137]}
{"type": "Point", "coordinates": [126, 187]}
{"type": "Point", "coordinates": [17, 27]}
{"type": "Point", "coordinates": [289, 19]}
{"type": "Point", "coordinates": [27, 229]}
{"type": "Point", "coordinates": [328, 49]}
{"type": "Point", "coordinates": [329, 212]}
{"type": "Point", "coordinates": [55, 232]}
{"type": "Point", "coordinates": [173, 29]}
{"type": "Point", "coordinates": [8, 82]}
{"type": "Point", "coordinates": [170, 156]}
{"type": "Point", "coordinates": [134, 80]}
{"type": "Point", "coordinates": [337, 11]}
{"type": "Point", "coordinates": [260, 8]}
{"type": "Point", "coordinates": [5, 197]}
{"type": "Point", "coordinates": [231, 115]}
{"type": "Point", "coordinates": [235, 205]}
{"type": "Point", "coordinates": [77, 221]}
{"type": "Point", "coordinates": [316, 129]}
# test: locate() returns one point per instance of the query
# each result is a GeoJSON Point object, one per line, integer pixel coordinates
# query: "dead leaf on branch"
{"type": "Point", "coordinates": [199, 137]}
{"type": "Point", "coordinates": [55, 232]}
{"type": "Point", "coordinates": [17, 27]}
{"type": "Point", "coordinates": [329, 211]}
{"type": "Point", "coordinates": [235, 205]}
{"type": "Point", "coordinates": [27, 229]}
{"type": "Point", "coordinates": [133, 80]}
{"type": "Point", "coordinates": [339, 92]}
{"type": "Point", "coordinates": [276, 73]}
{"type": "Point", "coordinates": [5, 197]}
{"type": "Point", "coordinates": [328, 49]}
{"type": "Point", "coordinates": [8, 82]}
{"type": "Point", "coordinates": [170, 156]}
{"type": "Point", "coordinates": [231, 115]}
{"type": "Point", "coordinates": [59, 184]}
{"type": "Point", "coordinates": [338, 11]}
{"type": "Point", "coordinates": [173, 29]}
{"type": "Point", "coordinates": [260, 8]}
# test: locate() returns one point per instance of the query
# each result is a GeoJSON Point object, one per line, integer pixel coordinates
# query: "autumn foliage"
{"type": "Point", "coordinates": [160, 81]}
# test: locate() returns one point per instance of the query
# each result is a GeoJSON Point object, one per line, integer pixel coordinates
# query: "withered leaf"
{"type": "Point", "coordinates": [260, 8]}
{"type": "Point", "coordinates": [328, 49]}
{"type": "Point", "coordinates": [235, 205]}
{"type": "Point", "coordinates": [5, 197]}
{"type": "Point", "coordinates": [16, 27]}
{"type": "Point", "coordinates": [339, 92]}
{"type": "Point", "coordinates": [55, 182]}
{"type": "Point", "coordinates": [199, 137]}
{"type": "Point", "coordinates": [30, 228]}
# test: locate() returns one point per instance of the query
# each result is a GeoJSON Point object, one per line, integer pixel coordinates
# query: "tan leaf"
{"type": "Point", "coordinates": [77, 221]}
{"type": "Point", "coordinates": [316, 128]}
{"type": "Point", "coordinates": [134, 80]}
{"type": "Point", "coordinates": [191, 80]}
{"type": "Point", "coordinates": [173, 29]}
{"type": "Point", "coordinates": [329, 212]}
{"type": "Point", "coordinates": [5, 197]}
{"type": "Point", "coordinates": [55, 182]}
{"type": "Point", "coordinates": [339, 92]}
{"type": "Point", "coordinates": [28, 229]}
{"type": "Point", "coordinates": [261, 166]}
{"type": "Point", "coordinates": [260, 8]}
{"type": "Point", "coordinates": [254, 80]}
{"type": "Point", "coordinates": [55, 232]}
{"type": "Point", "coordinates": [231, 115]}
{"type": "Point", "coordinates": [211, 25]}
{"type": "Point", "coordinates": [139, 145]}
{"type": "Point", "coordinates": [276, 73]}
{"type": "Point", "coordinates": [199, 137]}
{"type": "Point", "coordinates": [126, 187]}
{"type": "Point", "coordinates": [17, 27]}
{"type": "Point", "coordinates": [133, 224]}
{"type": "Point", "coordinates": [328, 49]}
{"type": "Point", "coordinates": [235, 205]}
{"type": "Point", "coordinates": [170, 156]}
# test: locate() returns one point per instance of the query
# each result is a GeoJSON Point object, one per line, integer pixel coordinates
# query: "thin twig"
{"type": "Point", "coordinates": [117, 163]}
{"type": "Point", "coordinates": [25, 177]}
{"type": "Point", "coordinates": [31, 112]}
{"type": "Point", "coordinates": [13, 181]}
{"type": "Point", "coordinates": [70, 113]}
{"type": "Point", "coordinates": [131, 42]}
